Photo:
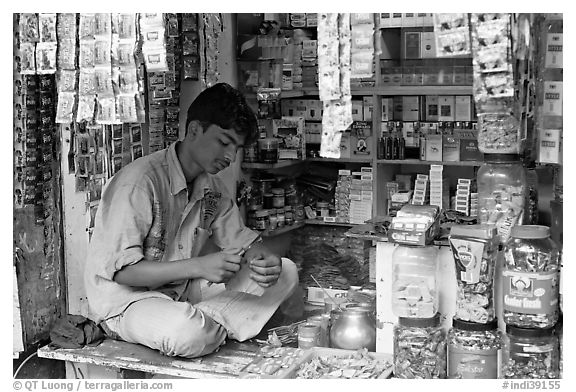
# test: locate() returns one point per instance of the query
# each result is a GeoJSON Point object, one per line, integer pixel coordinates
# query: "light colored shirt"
{"type": "Point", "coordinates": [148, 212]}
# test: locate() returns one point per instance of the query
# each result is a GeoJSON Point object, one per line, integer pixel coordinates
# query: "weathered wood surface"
{"type": "Point", "coordinates": [226, 363]}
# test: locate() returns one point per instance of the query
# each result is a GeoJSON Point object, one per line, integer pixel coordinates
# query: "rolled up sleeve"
{"type": "Point", "coordinates": [125, 220]}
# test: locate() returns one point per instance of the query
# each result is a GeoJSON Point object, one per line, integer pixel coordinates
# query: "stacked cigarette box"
{"type": "Point", "coordinates": [421, 191]}
{"type": "Point", "coordinates": [309, 76]}
{"type": "Point", "coordinates": [342, 196]}
{"type": "Point", "coordinates": [463, 196]}
{"type": "Point", "coordinates": [473, 204]}
{"type": "Point", "coordinates": [439, 195]}
{"type": "Point", "coordinates": [361, 196]}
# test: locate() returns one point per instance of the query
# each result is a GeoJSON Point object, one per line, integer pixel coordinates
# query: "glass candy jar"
{"type": "Point", "coordinates": [499, 134]}
{"type": "Point", "coordinates": [415, 281]}
{"type": "Point", "coordinates": [501, 192]}
{"type": "Point", "coordinates": [530, 278]}
{"type": "Point", "coordinates": [474, 248]}
{"type": "Point", "coordinates": [473, 350]}
{"type": "Point", "coordinates": [530, 353]}
{"type": "Point", "coordinates": [419, 348]}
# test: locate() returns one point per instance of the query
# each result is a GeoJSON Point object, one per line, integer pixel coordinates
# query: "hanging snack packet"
{"type": "Point", "coordinates": [103, 25]}
{"type": "Point", "coordinates": [128, 81]}
{"type": "Point", "coordinates": [66, 27]}
{"type": "Point", "coordinates": [66, 55]}
{"type": "Point", "coordinates": [125, 53]}
{"type": "Point", "coordinates": [106, 113]}
{"type": "Point", "coordinates": [102, 50]}
{"type": "Point", "coordinates": [65, 108]}
{"type": "Point", "coordinates": [29, 28]}
{"type": "Point", "coordinates": [452, 34]}
{"type": "Point", "coordinates": [126, 108]}
{"type": "Point", "coordinates": [86, 105]}
{"type": "Point", "coordinates": [47, 24]}
{"type": "Point", "coordinates": [28, 56]}
{"type": "Point", "coordinates": [87, 53]}
{"type": "Point", "coordinates": [87, 27]}
{"type": "Point", "coordinates": [87, 82]}
{"type": "Point", "coordinates": [46, 58]}
{"type": "Point", "coordinates": [103, 81]}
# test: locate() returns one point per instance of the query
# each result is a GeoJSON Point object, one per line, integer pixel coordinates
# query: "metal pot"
{"type": "Point", "coordinates": [355, 328]}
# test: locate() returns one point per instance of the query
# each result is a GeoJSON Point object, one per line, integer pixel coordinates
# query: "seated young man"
{"type": "Point", "coordinates": [145, 280]}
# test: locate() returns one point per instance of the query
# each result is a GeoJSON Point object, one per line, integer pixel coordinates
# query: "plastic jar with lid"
{"type": "Point", "coordinates": [261, 219]}
{"type": "Point", "coordinates": [475, 249]}
{"type": "Point", "coordinates": [322, 209]}
{"type": "Point", "coordinates": [419, 348]}
{"type": "Point", "coordinates": [268, 201]}
{"type": "Point", "coordinates": [473, 349]}
{"type": "Point", "coordinates": [499, 133]}
{"type": "Point", "coordinates": [308, 335]}
{"type": "Point", "coordinates": [272, 219]}
{"type": "Point", "coordinates": [530, 278]}
{"type": "Point", "coordinates": [268, 150]}
{"type": "Point", "coordinates": [289, 215]}
{"type": "Point", "coordinates": [251, 215]}
{"type": "Point", "coordinates": [530, 353]}
{"type": "Point", "coordinates": [281, 217]}
{"type": "Point", "coordinates": [415, 281]}
{"type": "Point", "coordinates": [278, 197]}
{"type": "Point", "coordinates": [501, 192]}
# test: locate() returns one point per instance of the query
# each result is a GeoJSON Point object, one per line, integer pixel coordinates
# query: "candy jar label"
{"type": "Point", "coordinates": [530, 293]}
{"type": "Point", "coordinates": [472, 363]}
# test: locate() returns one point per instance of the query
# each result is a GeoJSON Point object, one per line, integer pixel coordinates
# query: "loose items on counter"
{"type": "Point", "coordinates": [419, 348]}
{"type": "Point", "coordinates": [473, 350]}
{"type": "Point", "coordinates": [415, 225]}
{"type": "Point", "coordinates": [272, 361]}
{"type": "Point", "coordinates": [415, 281]}
{"type": "Point", "coordinates": [530, 353]}
{"type": "Point", "coordinates": [530, 278]}
{"type": "Point", "coordinates": [474, 248]}
{"type": "Point", "coordinates": [501, 192]}
{"type": "Point", "coordinates": [328, 363]}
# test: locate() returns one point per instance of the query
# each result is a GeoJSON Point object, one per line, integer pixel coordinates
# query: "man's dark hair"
{"type": "Point", "coordinates": [226, 107]}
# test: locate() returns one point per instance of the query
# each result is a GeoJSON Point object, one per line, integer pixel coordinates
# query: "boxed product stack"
{"type": "Point", "coordinates": [361, 196]}
{"type": "Point", "coordinates": [473, 204]}
{"type": "Point", "coordinates": [309, 63]}
{"type": "Point", "coordinates": [421, 192]}
{"type": "Point", "coordinates": [296, 61]}
{"type": "Point", "coordinates": [438, 187]}
{"type": "Point", "coordinates": [463, 196]}
{"type": "Point", "coordinates": [342, 196]}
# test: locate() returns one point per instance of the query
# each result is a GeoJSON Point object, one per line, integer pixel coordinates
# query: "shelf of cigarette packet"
{"type": "Point", "coordinates": [282, 230]}
{"type": "Point", "coordinates": [342, 160]}
{"type": "Point", "coordinates": [419, 162]}
{"type": "Point", "coordinates": [320, 222]}
{"type": "Point", "coordinates": [269, 166]}
{"type": "Point", "coordinates": [399, 90]}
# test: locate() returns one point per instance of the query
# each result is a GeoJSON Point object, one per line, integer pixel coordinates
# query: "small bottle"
{"type": "Point", "coordinates": [262, 219]}
{"type": "Point", "coordinates": [272, 219]}
{"type": "Point", "coordinates": [281, 217]}
{"type": "Point", "coordinates": [381, 148]}
{"type": "Point", "coordinates": [388, 147]}
{"type": "Point", "coordinates": [395, 146]}
{"type": "Point", "coordinates": [289, 215]}
{"type": "Point", "coordinates": [402, 148]}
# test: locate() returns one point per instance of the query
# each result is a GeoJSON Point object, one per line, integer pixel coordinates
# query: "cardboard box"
{"type": "Point", "coordinates": [345, 145]}
{"type": "Point", "coordinates": [434, 148]}
{"type": "Point", "coordinates": [401, 234]}
{"type": "Point", "coordinates": [316, 295]}
{"type": "Point", "coordinates": [450, 149]}
{"type": "Point", "coordinates": [549, 146]}
{"type": "Point", "coordinates": [463, 108]}
{"type": "Point", "coordinates": [408, 20]}
{"type": "Point", "coordinates": [387, 109]}
{"type": "Point", "coordinates": [412, 45]}
{"type": "Point", "coordinates": [446, 108]}
{"type": "Point", "coordinates": [357, 111]}
{"type": "Point", "coordinates": [410, 108]}
{"type": "Point", "coordinates": [361, 141]}
{"type": "Point", "coordinates": [397, 107]}
{"type": "Point", "coordinates": [396, 19]}
{"type": "Point", "coordinates": [427, 45]}
{"type": "Point", "coordinates": [432, 109]}
{"type": "Point", "coordinates": [367, 108]}
{"type": "Point", "coordinates": [290, 131]}
{"type": "Point", "coordinates": [469, 146]}
{"type": "Point", "coordinates": [385, 19]}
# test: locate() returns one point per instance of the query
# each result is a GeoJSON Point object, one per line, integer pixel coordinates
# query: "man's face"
{"type": "Point", "coordinates": [215, 148]}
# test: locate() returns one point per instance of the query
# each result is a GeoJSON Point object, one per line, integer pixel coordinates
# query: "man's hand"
{"type": "Point", "coordinates": [219, 267]}
{"type": "Point", "coordinates": [265, 266]}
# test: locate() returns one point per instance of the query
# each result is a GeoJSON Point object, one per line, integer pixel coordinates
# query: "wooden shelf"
{"type": "Point", "coordinates": [403, 90]}
{"type": "Point", "coordinates": [419, 162]}
{"type": "Point", "coordinates": [282, 230]}
{"type": "Point", "coordinates": [342, 160]}
{"type": "Point", "coordinates": [319, 222]}
{"type": "Point", "coordinates": [269, 166]}
{"type": "Point", "coordinates": [291, 93]}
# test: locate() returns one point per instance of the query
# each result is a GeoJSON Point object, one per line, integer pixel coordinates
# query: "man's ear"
{"type": "Point", "coordinates": [194, 129]}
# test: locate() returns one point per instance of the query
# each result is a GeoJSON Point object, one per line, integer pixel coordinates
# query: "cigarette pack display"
{"type": "Point", "coordinates": [446, 108]}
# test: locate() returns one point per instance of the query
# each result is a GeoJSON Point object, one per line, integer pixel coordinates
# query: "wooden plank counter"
{"type": "Point", "coordinates": [106, 360]}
